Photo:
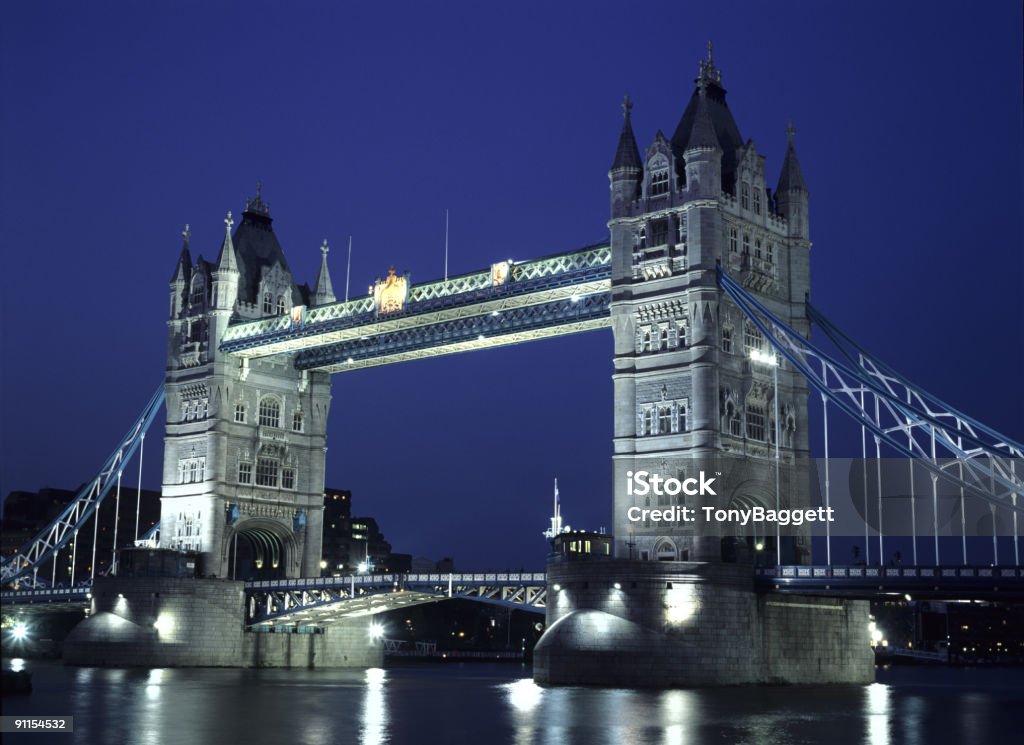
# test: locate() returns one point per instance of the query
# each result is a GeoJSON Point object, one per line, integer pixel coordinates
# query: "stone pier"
{"type": "Point", "coordinates": [662, 624]}
{"type": "Point", "coordinates": [168, 622]}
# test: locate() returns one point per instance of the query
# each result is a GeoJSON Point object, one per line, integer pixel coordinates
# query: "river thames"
{"type": "Point", "coordinates": [495, 703]}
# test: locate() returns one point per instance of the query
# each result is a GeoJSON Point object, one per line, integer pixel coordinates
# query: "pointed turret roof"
{"type": "Point", "coordinates": [257, 248]}
{"type": "Point", "coordinates": [323, 292]}
{"type": "Point", "coordinates": [227, 261]}
{"type": "Point", "coordinates": [791, 178]}
{"type": "Point", "coordinates": [627, 154]}
{"type": "Point", "coordinates": [184, 267]}
{"type": "Point", "coordinates": [725, 129]}
{"type": "Point", "coordinates": [702, 134]}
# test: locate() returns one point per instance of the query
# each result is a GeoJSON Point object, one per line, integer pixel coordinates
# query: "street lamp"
{"type": "Point", "coordinates": [769, 359]}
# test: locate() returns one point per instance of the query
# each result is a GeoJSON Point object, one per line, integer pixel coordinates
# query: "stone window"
{"type": "Point", "coordinates": [297, 421]}
{"type": "Point", "coordinates": [280, 304]}
{"type": "Point", "coordinates": [757, 248]}
{"type": "Point", "coordinates": [267, 470]}
{"type": "Point", "coordinates": [202, 408]}
{"type": "Point", "coordinates": [733, 240]}
{"type": "Point", "coordinates": [649, 421]}
{"type": "Point", "coordinates": [240, 413]}
{"type": "Point", "coordinates": [659, 183]}
{"type": "Point", "coordinates": [642, 238]}
{"type": "Point", "coordinates": [191, 470]}
{"type": "Point", "coordinates": [771, 253]}
{"type": "Point", "coordinates": [287, 478]}
{"type": "Point", "coordinates": [659, 232]}
{"type": "Point", "coordinates": [664, 341]}
{"type": "Point", "coordinates": [757, 201]}
{"type": "Point", "coordinates": [198, 290]}
{"type": "Point", "coordinates": [244, 472]}
{"type": "Point", "coordinates": [664, 420]}
{"type": "Point", "coordinates": [682, 423]}
{"type": "Point", "coordinates": [755, 421]}
{"type": "Point", "coordinates": [752, 338]}
{"type": "Point", "coordinates": [681, 223]}
{"type": "Point", "coordinates": [646, 342]}
{"type": "Point", "coordinates": [727, 339]}
{"type": "Point", "coordinates": [745, 195]}
{"type": "Point", "coordinates": [746, 244]}
{"type": "Point", "coordinates": [733, 417]}
{"type": "Point", "coordinates": [268, 303]}
{"type": "Point", "coordinates": [270, 412]}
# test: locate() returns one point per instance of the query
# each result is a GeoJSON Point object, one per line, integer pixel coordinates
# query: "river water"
{"type": "Point", "coordinates": [495, 703]}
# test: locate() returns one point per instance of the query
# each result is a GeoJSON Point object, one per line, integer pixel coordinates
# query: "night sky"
{"type": "Point", "coordinates": [121, 122]}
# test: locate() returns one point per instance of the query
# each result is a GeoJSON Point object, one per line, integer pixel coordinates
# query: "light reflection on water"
{"type": "Point", "coordinates": [501, 704]}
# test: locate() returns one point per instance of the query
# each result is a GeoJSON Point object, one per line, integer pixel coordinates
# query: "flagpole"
{"type": "Point", "coordinates": [446, 244]}
{"type": "Point", "coordinates": [348, 268]}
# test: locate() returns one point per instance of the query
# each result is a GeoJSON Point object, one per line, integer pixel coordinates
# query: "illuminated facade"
{"type": "Point", "coordinates": [695, 383]}
{"type": "Point", "coordinates": [244, 449]}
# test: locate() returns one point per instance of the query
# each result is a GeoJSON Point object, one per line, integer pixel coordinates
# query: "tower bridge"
{"type": "Point", "coordinates": [704, 283]}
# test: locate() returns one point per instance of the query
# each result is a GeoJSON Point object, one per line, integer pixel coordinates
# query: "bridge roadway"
{"type": "Point", "coordinates": [316, 601]}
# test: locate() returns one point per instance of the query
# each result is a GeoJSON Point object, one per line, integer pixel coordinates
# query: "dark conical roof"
{"type": "Point", "coordinates": [183, 269]}
{"type": "Point", "coordinates": [791, 178]}
{"type": "Point", "coordinates": [627, 154]}
{"type": "Point", "coordinates": [702, 134]}
{"type": "Point", "coordinates": [256, 247]}
{"type": "Point", "coordinates": [726, 132]}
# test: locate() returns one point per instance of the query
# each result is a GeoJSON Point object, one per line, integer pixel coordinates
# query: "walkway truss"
{"type": "Point", "coordinates": [319, 601]}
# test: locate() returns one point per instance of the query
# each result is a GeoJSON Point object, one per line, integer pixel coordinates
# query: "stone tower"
{"type": "Point", "coordinates": [245, 444]}
{"type": "Point", "coordinates": [694, 383]}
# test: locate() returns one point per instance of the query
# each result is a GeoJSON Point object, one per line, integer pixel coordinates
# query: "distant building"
{"type": "Point", "coordinates": [27, 513]}
{"type": "Point", "coordinates": [349, 542]}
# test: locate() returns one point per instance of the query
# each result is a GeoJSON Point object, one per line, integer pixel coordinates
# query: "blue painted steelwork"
{"type": "Point", "coordinates": [876, 582]}
{"type": "Point", "coordinates": [561, 270]}
{"type": "Point", "coordinates": [513, 321]}
{"type": "Point", "coordinates": [22, 566]}
{"type": "Point", "coordinates": [917, 423]}
{"type": "Point", "coordinates": [320, 599]}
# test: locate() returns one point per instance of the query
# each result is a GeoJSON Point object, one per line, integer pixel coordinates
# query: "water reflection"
{"type": "Point", "coordinates": [876, 710]}
{"type": "Point", "coordinates": [374, 729]}
{"type": "Point", "coordinates": [17, 664]}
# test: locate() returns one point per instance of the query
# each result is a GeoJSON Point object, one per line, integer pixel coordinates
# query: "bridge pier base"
{"type": "Point", "coordinates": [178, 622]}
{"type": "Point", "coordinates": [668, 624]}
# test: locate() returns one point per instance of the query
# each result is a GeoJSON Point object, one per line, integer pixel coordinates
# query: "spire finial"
{"type": "Point", "coordinates": [627, 106]}
{"type": "Point", "coordinates": [187, 233]}
{"type": "Point", "coordinates": [790, 131]}
{"type": "Point", "coordinates": [228, 221]}
{"type": "Point", "coordinates": [710, 48]}
{"type": "Point", "coordinates": [324, 248]}
{"type": "Point", "coordinates": [259, 190]}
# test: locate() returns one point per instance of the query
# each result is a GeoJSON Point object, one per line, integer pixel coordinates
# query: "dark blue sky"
{"type": "Point", "coordinates": [122, 121]}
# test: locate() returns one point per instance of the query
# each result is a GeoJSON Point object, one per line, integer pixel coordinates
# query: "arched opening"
{"type": "Point", "coordinates": [259, 549]}
{"type": "Point", "coordinates": [665, 550]}
{"type": "Point", "coordinates": [753, 544]}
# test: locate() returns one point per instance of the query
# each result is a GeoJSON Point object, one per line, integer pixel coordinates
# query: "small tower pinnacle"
{"type": "Point", "coordinates": [790, 131]}
{"type": "Point", "coordinates": [227, 262]}
{"type": "Point", "coordinates": [323, 291]}
{"type": "Point", "coordinates": [627, 154]}
{"type": "Point", "coordinates": [707, 70]}
{"type": "Point", "coordinates": [187, 234]}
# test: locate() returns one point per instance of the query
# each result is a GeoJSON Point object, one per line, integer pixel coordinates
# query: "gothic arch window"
{"type": "Point", "coordinates": [665, 550]}
{"type": "Point", "coordinates": [270, 412]}
{"type": "Point", "coordinates": [280, 304]}
{"type": "Point", "coordinates": [771, 253]}
{"type": "Point", "coordinates": [664, 420]}
{"type": "Point", "coordinates": [745, 195]}
{"type": "Point", "coordinates": [681, 226]}
{"type": "Point", "coordinates": [240, 413]}
{"type": "Point", "coordinates": [643, 238]}
{"type": "Point", "coordinates": [757, 201]}
{"type": "Point", "coordinates": [268, 303]}
{"type": "Point", "coordinates": [733, 418]}
{"type": "Point", "coordinates": [746, 244]}
{"type": "Point", "coordinates": [663, 342]}
{"type": "Point", "coordinates": [752, 338]}
{"type": "Point", "coordinates": [755, 420]}
{"type": "Point", "coordinates": [757, 248]}
{"type": "Point", "coordinates": [659, 183]}
{"type": "Point", "coordinates": [733, 240]}
{"type": "Point", "coordinates": [683, 424]}
{"type": "Point", "coordinates": [198, 290]}
{"type": "Point", "coordinates": [649, 423]}
{"type": "Point", "coordinates": [727, 339]}
{"type": "Point", "coordinates": [645, 345]}
{"type": "Point", "coordinates": [267, 471]}
{"type": "Point", "coordinates": [297, 421]}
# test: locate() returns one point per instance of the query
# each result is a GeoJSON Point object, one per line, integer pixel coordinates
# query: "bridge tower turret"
{"type": "Point", "coordinates": [244, 450]}
{"type": "Point", "coordinates": [694, 384]}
